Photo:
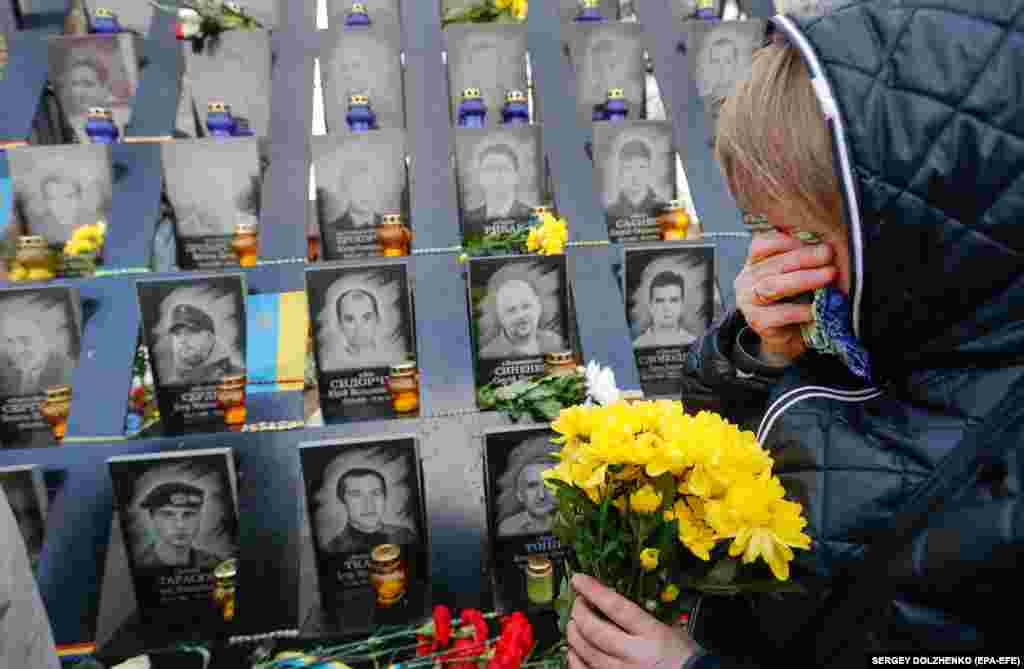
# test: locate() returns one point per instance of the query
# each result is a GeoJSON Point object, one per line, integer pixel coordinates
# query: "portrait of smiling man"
{"type": "Point", "coordinates": [519, 310]}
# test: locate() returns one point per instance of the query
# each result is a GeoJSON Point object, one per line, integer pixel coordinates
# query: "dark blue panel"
{"type": "Point", "coordinates": [102, 379]}
{"type": "Point", "coordinates": [711, 197]}
{"type": "Point", "coordinates": [434, 218]}
{"type": "Point", "coordinates": [23, 83]}
{"type": "Point", "coordinates": [136, 205]}
{"type": "Point", "coordinates": [442, 335]}
{"type": "Point", "coordinates": [156, 100]}
{"type": "Point", "coordinates": [47, 15]}
{"type": "Point", "coordinates": [759, 8]}
{"type": "Point", "coordinates": [276, 278]}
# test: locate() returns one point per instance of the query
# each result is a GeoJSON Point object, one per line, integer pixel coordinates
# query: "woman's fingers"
{"type": "Point", "coordinates": [617, 608]}
{"type": "Point", "coordinates": [805, 257]}
{"type": "Point", "coordinates": [599, 633]}
{"type": "Point", "coordinates": [773, 288]}
{"type": "Point", "coordinates": [591, 655]}
{"type": "Point", "coordinates": [768, 244]}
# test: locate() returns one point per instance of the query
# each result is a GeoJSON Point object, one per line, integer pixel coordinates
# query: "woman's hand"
{"type": "Point", "coordinates": [780, 266]}
{"type": "Point", "coordinates": [636, 640]}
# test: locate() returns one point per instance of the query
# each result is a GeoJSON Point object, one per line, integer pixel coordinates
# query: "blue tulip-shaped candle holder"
{"type": "Point", "coordinates": [517, 109]}
{"type": "Point", "coordinates": [360, 116]}
{"type": "Point", "coordinates": [219, 121]}
{"type": "Point", "coordinates": [104, 22]}
{"type": "Point", "coordinates": [472, 110]}
{"type": "Point", "coordinates": [357, 15]}
{"type": "Point", "coordinates": [615, 106]}
{"type": "Point", "coordinates": [100, 126]}
{"type": "Point", "coordinates": [590, 12]}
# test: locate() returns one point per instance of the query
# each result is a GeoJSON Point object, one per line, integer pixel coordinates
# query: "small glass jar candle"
{"type": "Point", "coordinates": [517, 109]}
{"type": "Point", "coordinates": [357, 16]}
{"type": "Point", "coordinates": [559, 363]}
{"type": "Point", "coordinates": [56, 408]}
{"type": "Point", "coordinates": [104, 22]}
{"type": "Point", "coordinates": [360, 116]}
{"type": "Point", "coordinates": [706, 10]}
{"type": "Point", "coordinates": [404, 387]}
{"type": "Point", "coordinates": [231, 399]}
{"type": "Point", "coordinates": [540, 210]}
{"type": "Point", "coordinates": [472, 110]}
{"type": "Point", "coordinates": [590, 12]}
{"type": "Point", "coordinates": [100, 126]}
{"type": "Point", "coordinates": [615, 107]}
{"type": "Point", "coordinates": [387, 574]}
{"type": "Point", "coordinates": [219, 121]}
{"type": "Point", "coordinates": [224, 592]}
{"type": "Point", "coordinates": [674, 222]}
{"type": "Point", "coordinates": [33, 255]}
{"type": "Point", "coordinates": [245, 244]}
{"type": "Point", "coordinates": [393, 236]}
{"type": "Point", "coordinates": [540, 580]}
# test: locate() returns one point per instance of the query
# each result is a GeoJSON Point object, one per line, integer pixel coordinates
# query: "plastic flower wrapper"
{"type": "Point", "coordinates": [661, 505]}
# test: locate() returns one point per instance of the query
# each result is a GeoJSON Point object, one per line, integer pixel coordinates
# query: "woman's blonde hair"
{"type": "Point", "coordinates": [773, 142]}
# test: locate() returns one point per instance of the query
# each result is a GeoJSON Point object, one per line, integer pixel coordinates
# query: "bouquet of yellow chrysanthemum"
{"type": "Point", "coordinates": [547, 236]}
{"type": "Point", "coordinates": [82, 251]}
{"type": "Point", "coordinates": [488, 11]}
{"type": "Point", "coordinates": [655, 503]}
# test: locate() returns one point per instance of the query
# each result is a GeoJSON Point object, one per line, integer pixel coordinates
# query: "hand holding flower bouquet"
{"type": "Point", "coordinates": [656, 503]}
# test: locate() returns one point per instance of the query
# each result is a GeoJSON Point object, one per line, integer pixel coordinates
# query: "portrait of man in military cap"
{"type": "Point", "coordinates": [176, 511]}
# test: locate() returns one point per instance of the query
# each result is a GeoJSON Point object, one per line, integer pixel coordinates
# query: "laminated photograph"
{"type": "Point", "coordinates": [500, 178]}
{"type": "Point", "coordinates": [360, 177]}
{"type": "Point", "coordinates": [384, 13]}
{"type": "Point", "coordinates": [179, 516]}
{"type": "Point", "coordinates": [526, 559]}
{"type": "Point", "coordinates": [362, 61]}
{"type": "Point", "coordinates": [58, 189]}
{"type": "Point", "coordinates": [635, 173]}
{"type": "Point", "coordinates": [670, 301]}
{"type": "Point", "coordinates": [720, 55]}
{"type": "Point", "coordinates": [40, 340]}
{"type": "Point", "coordinates": [368, 519]}
{"type": "Point", "coordinates": [520, 311]}
{"type": "Point", "coordinates": [608, 56]}
{"type": "Point", "coordinates": [363, 323]}
{"type": "Point", "coordinates": [233, 69]}
{"type": "Point", "coordinates": [491, 58]}
{"type": "Point", "coordinates": [195, 329]}
{"type": "Point", "coordinates": [89, 71]}
{"type": "Point", "coordinates": [213, 185]}
{"type": "Point", "coordinates": [132, 15]}
{"type": "Point", "coordinates": [26, 494]}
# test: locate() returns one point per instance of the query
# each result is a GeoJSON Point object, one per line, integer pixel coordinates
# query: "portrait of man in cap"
{"type": "Point", "coordinates": [363, 492]}
{"type": "Point", "coordinates": [175, 510]}
{"type": "Point", "coordinates": [524, 504]}
{"type": "Point", "coordinates": [193, 340]}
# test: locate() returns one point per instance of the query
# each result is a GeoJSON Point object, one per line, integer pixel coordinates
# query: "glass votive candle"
{"type": "Point", "coordinates": [674, 222]}
{"type": "Point", "coordinates": [33, 254]}
{"type": "Point", "coordinates": [404, 387]}
{"type": "Point", "coordinates": [245, 244]}
{"type": "Point", "coordinates": [231, 399]}
{"type": "Point", "coordinates": [540, 580]}
{"type": "Point", "coordinates": [559, 363]}
{"type": "Point", "coordinates": [224, 592]}
{"type": "Point", "coordinates": [387, 574]}
{"type": "Point", "coordinates": [393, 236]}
{"type": "Point", "coordinates": [56, 408]}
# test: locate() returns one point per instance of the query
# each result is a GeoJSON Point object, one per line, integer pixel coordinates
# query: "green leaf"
{"type": "Point", "coordinates": [566, 598]}
{"type": "Point", "coordinates": [548, 409]}
{"type": "Point", "coordinates": [724, 572]}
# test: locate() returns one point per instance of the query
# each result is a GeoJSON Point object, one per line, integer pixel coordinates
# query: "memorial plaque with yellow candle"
{"type": "Point", "coordinates": [367, 522]}
{"type": "Point", "coordinates": [40, 339]}
{"type": "Point", "coordinates": [670, 301]}
{"type": "Point", "coordinates": [195, 329]}
{"type": "Point", "coordinates": [362, 326]}
{"type": "Point", "coordinates": [520, 515]}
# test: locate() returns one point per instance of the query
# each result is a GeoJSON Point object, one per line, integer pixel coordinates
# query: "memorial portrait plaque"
{"type": "Point", "coordinates": [489, 57]}
{"type": "Point", "coordinates": [40, 339]}
{"type": "Point", "coordinates": [520, 511]}
{"type": "Point", "coordinates": [212, 184]}
{"type": "Point", "coordinates": [58, 189]}
{"type": "Point", "coordinates": [234, 69]}
{"type": "Point", "coordinates": [381, 12]}
{"type": "Point", "coordinates": [720, 55]}
{"type": "Point", "coordinates": [179, 516]}
{"type": "Point", "coordinates": [520, 311]}
{"type": "Point", "coordinates": [635, 170]}
{"type": "Point", "coordinates": [685, 10]}
{"type": "Point", "coordinates": [362, 61]}
{"type": "Point", "coordinates": [359, 178]}
{"type": "Point", "coordinates": [26, 494]}
{"type": "Point", "coordinates": [195, 331]}
{"type": "Point", "coordinates": [570, 9]}
{"type": "Point", "coordinates": [500, 178]}
{"type": "Point", "coordinates": [670, 300]}
{"type": "Point", "coordinates": [363, 324]}
{"type": "Point", "coordinates": [605, 56]}
{"type": "Point", "coordinates": [361, 495]}
{"type": "Point", "coordinates": [132, 15]}
{"type": "Point", "coordinates": [94, 71]}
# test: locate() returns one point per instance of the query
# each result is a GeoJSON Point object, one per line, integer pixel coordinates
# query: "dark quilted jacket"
{"type": "Point", "coordinates": [929, 98]}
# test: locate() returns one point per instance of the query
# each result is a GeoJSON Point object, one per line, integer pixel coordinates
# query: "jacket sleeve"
{"type": "Point", "coordinates": [25, 636]}
{"type": "Point", "coordinates": [722, 372]}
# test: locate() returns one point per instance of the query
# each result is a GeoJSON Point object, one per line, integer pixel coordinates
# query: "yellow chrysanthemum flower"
{"type": "Point", "coordinates": [649, 558]}
{"type": "Point", "coordinates": [670, 593]}
{"type": "Point", "coordinates": [38, 274]}
{"type": "Point", "coordinates": [534, 239]}
{"type": "Point", "coordinates": [503, 4]}
{"type": "Point", "coordinates": [18, 273]}
{"type": "Point", "coordinates": [573, 424]}
{"type": "Point", "coordinates": [645, 500]}
{"type": "Point", "coordinates": [552, 247]}
{"type": "Point", "coordinates": [519, 8]}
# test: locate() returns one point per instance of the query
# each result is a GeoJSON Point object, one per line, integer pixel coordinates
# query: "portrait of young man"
{"type": "Point", "coordinates": [722, 56]}
{"type": "Point", "coordinates": [175, 510]}
{"type": "Point", "coordinates": [636, 181]}
{"type": "Point", "coordinates": [665, 311]}
{"type": "Point", "coordinates": [39, 340]}
{"type": "Point", "coordinates": [363, 492]}
{"type": "Point", "coordinates": [498, 175]}
{"type": "Point", "coordinates": [499, 178]}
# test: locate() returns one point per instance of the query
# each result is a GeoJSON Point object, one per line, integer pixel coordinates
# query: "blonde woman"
{"type": "Point", "coordinates": [878, 151]}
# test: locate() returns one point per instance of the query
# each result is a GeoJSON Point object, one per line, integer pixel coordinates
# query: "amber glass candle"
{"type": "Point", "coordinates": [559, 363]}
{"type": "Point", "coordinates": [56, 408]}
{"type": "Point", "coordinates": [245, 244]}
{"type": "Point", "coordinates": [393, 236]}
{"type": "Point", "coordinates": [404, 386]}
{"type": "Point", "coordinates": [540, 580]}
{"type": "Point", "coordinates": [231, 399]}
{"type": "Point", "coordinates": [387, 574]}
{"type": "Point", "coordinates": [674, 222]}
{"type": "Point", "coordinates": [224, 593]}
{"type": "Point", "coordinates": [34, 256]}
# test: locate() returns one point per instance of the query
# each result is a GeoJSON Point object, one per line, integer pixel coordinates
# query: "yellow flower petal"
{"type": "Point", "coordinates": [645, 500]}
{"type": "Point", "coordinates": [649, 558]}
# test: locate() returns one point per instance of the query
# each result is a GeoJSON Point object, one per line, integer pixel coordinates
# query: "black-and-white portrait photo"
{"type": "Point", "coordinates": [720, 55]}
{"type": "Point", "coordinates": [363, 495]}
{"type": "Point", "coordinates": [362, 316]}
{"type": "Point", "coordinates": [359, 178]}
{"type": "Point", "coordinates": [489, 57]}
{"type": "Point", "coordinates": [94, 71]}
{"type": "Point", "coordinates": [195, 328]}
{"type": "Point", "coordinates": [670, 301]}
{"type": "Point", "coordinates": [58, 189]}
{"type": "Point", "coordinates": [522, 503]}
{"type": "Point", "coordinates": [26, 494]}
{"type": "Point", "coordinates": [40, 335]}
{"type": "Point", "coordinates": [570, 9]}
{"type": "Point", "coordinates": [234, 69]}
{"type": "Point", "coordinates": [685, 10]}
{"type": "Point", "coordinates": [381, 12]}
{"type": "Point", "coordinates": [635, 169]}
{"type": "Point", "coordinates": [212, 185]}
{"type": "Point", "coordinates": [131, 15]}
{"type": "Point", "coordinates": [606, 56]}
{"type": "Point", "coordinates": [362, 62]}
{"type": "Point", "coordinates": [500, 178]}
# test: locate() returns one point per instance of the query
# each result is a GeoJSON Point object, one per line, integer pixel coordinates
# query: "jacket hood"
{"type": "Point", "coordinates": [924, 99]}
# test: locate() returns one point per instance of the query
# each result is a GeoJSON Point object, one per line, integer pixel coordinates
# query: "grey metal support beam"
{"type": "Point", "coordinates": [156, 100]}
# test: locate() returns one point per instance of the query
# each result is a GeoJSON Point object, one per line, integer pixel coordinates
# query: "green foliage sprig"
{"type": "Point", "coordinates": [542, 398]}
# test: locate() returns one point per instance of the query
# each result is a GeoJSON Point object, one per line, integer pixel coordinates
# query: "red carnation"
{"type": "Point", "coordinates": [463, 649]}
{"type": "Point", "coordinates": [425, 645]}
{"type": "Point", "coordinates": [476, 619]}
{"type": "Point", "coordinates": [515, 643]}
{"type": "Point", "coordinates": [442, 624]}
